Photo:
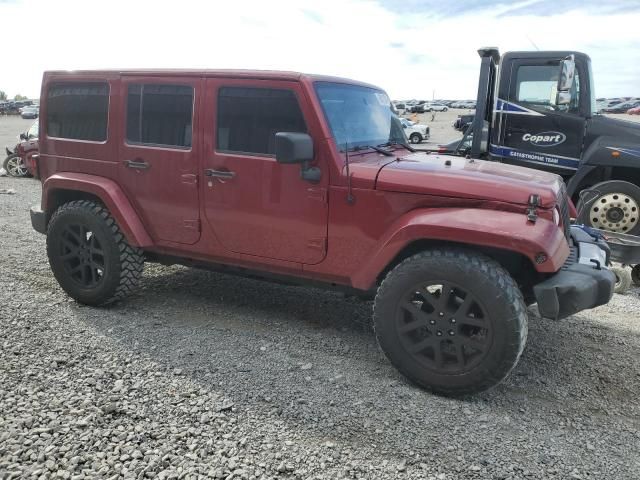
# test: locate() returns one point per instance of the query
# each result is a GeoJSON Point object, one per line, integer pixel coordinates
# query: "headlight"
{"type": "Point", "coordinates": [556, 216]}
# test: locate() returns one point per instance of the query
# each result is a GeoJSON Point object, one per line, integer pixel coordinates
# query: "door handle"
{"type": "Point", "coordinates": [137, 164]}
{"type": "Point", "coordinates": [209, 172]}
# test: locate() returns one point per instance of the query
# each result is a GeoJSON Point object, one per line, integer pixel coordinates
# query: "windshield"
{"type": "Point", "coordinates": [358, 116]}
{"type": "Point", "coordinates": [33, 131]}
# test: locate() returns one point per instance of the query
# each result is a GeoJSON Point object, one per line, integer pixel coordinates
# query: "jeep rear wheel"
{"type": "Point", "coordinates": [89, 256]}
{"type": "Point", "coordinates": [452, 321]}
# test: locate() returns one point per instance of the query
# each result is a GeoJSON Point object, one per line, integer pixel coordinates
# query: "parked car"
{"type": "Point", "coordinates": [634, 111]}
{"type": "Point", "coordinates": [30, 112]}
{"type": "Point", "coordinates": [435, 107]}
{"type": "Point", "coordinates": [415, 132]}
{"type": "Point", "coordinates": [463, 121]}
{"type": "Point", "coordinates": [622, 107]}
{"type": "Point", "coordinates": [305, 179]}
{"type": "Point", "coordinates": [21, 161]}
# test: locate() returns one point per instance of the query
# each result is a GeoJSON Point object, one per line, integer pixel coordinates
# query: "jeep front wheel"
{"type": "Point", "coordinates": [415, 138]}
{"type": "Point", "coordinates": [452, 321]}
{"type": "Point", "coordinates": [89, 256]}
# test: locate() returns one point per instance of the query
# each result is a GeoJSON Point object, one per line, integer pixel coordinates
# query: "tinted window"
{"type": "Point", "coordinates": [159, 114]}
{"type": "Point", "coordinates": [358, 116]}
{"type": "Point", "coordinates": [249, 118]}
{"type": "Point", "coordinates": [78, 111]}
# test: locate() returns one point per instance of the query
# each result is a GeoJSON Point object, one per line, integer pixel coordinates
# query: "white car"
{"type": "Point", "coordinates": [415, 132]}
{"type": "Point", "coordinates": [435, 107]}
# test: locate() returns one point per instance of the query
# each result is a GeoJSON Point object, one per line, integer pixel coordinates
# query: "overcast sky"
{"type": "Point", "coordinates": [411, 48]}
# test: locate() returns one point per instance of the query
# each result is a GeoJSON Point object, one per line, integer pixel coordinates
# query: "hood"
{"type": "Point", "coordinates": [457, 177]}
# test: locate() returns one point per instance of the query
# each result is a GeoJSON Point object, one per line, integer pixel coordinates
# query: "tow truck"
{"type": "Point", "coordinates": [538, 109]}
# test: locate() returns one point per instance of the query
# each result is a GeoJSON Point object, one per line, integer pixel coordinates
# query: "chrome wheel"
{"type": "Point", "coordinates": [15, 166]}
{"type": "Point", "coordinates": [615, 212]}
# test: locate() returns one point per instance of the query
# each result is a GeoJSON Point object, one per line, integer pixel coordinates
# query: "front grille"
{"type": "Point", "coordinates": [563, 206]}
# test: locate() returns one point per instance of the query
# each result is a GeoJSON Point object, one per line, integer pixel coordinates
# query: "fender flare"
{"type": "Point", "coordinates": [474, 227]}
{"type": "Point", "coordinates": [598, 157]}
{"type": "Point", "coordinates": [109, 193]}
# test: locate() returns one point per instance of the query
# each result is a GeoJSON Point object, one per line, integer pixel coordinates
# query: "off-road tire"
{"type": "Point", "coordinates": [635, 275]}
{"type": "Point", "coordinates": [123, 263]}
{"type": "Point", "coordinates": [480, 276]}
{"type": "Point", "coordinates": [623, 279]}
{"type": "Point", "coordinates": [415, 138]}
{"type": "Point", "coordinates": [604, 188]}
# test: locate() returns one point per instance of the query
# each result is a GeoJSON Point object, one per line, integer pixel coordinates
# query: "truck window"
{"type": "Point", "coordinates": [160, 115]}
{"type": "Point", "coordinates": [249, 118]}
{"type": "Point", "coordinates": [78, 111]}
{"type": "Point", "coordinates": [537, 85]}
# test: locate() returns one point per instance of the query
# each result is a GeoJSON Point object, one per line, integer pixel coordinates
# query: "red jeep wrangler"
{"type": "Point", "coordinates": [308, 179]}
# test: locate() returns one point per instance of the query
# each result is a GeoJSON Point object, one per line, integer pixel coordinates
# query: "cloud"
{"type": "Point", "coordinates": [410, 48]}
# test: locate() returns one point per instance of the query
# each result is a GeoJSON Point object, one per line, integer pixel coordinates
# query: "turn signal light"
{"type": "Point", "coordinates": [615, 153]}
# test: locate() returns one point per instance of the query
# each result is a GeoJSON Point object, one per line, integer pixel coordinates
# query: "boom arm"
{"type": "Point", "coordinates": [484, 103]}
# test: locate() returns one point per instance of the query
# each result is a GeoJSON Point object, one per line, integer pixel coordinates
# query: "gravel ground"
{"type": "Point", "coordinates": [207, 375]}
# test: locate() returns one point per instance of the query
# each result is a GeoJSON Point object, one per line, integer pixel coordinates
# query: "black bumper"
{"type": "Point", "coordinates": [38, 220]}
{"type": "Point", "coordinates": [577, 286]}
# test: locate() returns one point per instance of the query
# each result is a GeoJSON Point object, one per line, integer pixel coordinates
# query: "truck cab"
{"type": "Point", "coordinates": [532, 122]}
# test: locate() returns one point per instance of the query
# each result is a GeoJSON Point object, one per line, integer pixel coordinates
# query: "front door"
{"type": "Point", "coordinates": [534, 131]}
{"type": "Point", "coordinates": [255, 205]}
{"type": "Point", "coordinates": [159, 154]}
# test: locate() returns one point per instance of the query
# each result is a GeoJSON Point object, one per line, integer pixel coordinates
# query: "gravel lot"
{"type": "Point", "coordinates": [208, 375]}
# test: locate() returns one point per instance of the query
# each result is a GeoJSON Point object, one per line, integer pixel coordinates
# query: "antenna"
{"type": "Point", "coordinates": [532, 42]}
{"type": "Point", "coordinates": [350, 199]}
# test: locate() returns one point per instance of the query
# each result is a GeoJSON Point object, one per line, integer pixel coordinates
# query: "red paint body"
{"type": "Point", "coordinates": [268, 218]}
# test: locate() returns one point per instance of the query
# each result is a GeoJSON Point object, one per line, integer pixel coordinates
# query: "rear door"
{"type": "Point", "coordinates": [159, 152]}
{"type": "Point", "coordinates": [255, 205]}
{"type": "Point", "coordinates": [534, 131]}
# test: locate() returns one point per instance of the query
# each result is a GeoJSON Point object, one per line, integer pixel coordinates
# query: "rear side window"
{"type": "Point", "coordinates": [160, 115]}
{"type": "Point", "coordinates": [78, 111]}
{"type": "Point", "coordinates": [249, 118]}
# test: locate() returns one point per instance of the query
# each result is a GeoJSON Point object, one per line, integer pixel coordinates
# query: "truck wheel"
{"type": "Point", "coordinates": [89, 256]}
{"type": "Point", "coordinates": [623, 279]}
{"type": "Point", "coordinates": [613, 206]}
{"type": "Point", "coordinates": [452, 321]}
{"type": "Point", "coordinates": [415, 138]}
{"type": "Point", "coordinates": [15, 166]}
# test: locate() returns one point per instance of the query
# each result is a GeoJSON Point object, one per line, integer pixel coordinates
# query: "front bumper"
{"type": "Point", "coordinates": [583, 282]}
{"type": "Point", "coordinates": [38, 220]}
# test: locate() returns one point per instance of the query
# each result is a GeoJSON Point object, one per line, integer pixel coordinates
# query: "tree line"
{"type": "Point", "coordinates": [17, 98]}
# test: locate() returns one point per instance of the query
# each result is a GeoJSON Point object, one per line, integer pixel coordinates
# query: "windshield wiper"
{"type": "Point", "coordinates": [402, 144]}
{"type": "Point", "coordinates": [386, 153]}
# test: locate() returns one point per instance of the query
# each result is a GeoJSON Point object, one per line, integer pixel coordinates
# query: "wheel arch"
{"type": "Point", "coordinates": [522, 247]}
{"type": "Point", "coordinates": [65, 187]}
{"type": "Point", "coordinates": [517, 264]}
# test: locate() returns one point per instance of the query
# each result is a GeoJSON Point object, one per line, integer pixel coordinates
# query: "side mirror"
{"type": "Point", "coordinates": [563, 98]}
{"type": "Point", "coordinates": [23, 136]}
{"type": "Point", "coordinates": [567, 72]}
{"type": "Point", "coordinates": [293, 147]}
{"type": "Point", "coordinates": [404, 125]}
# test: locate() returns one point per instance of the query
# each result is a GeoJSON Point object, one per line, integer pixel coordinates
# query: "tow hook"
{"type": "Point", "coordinates": [532, 211]}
